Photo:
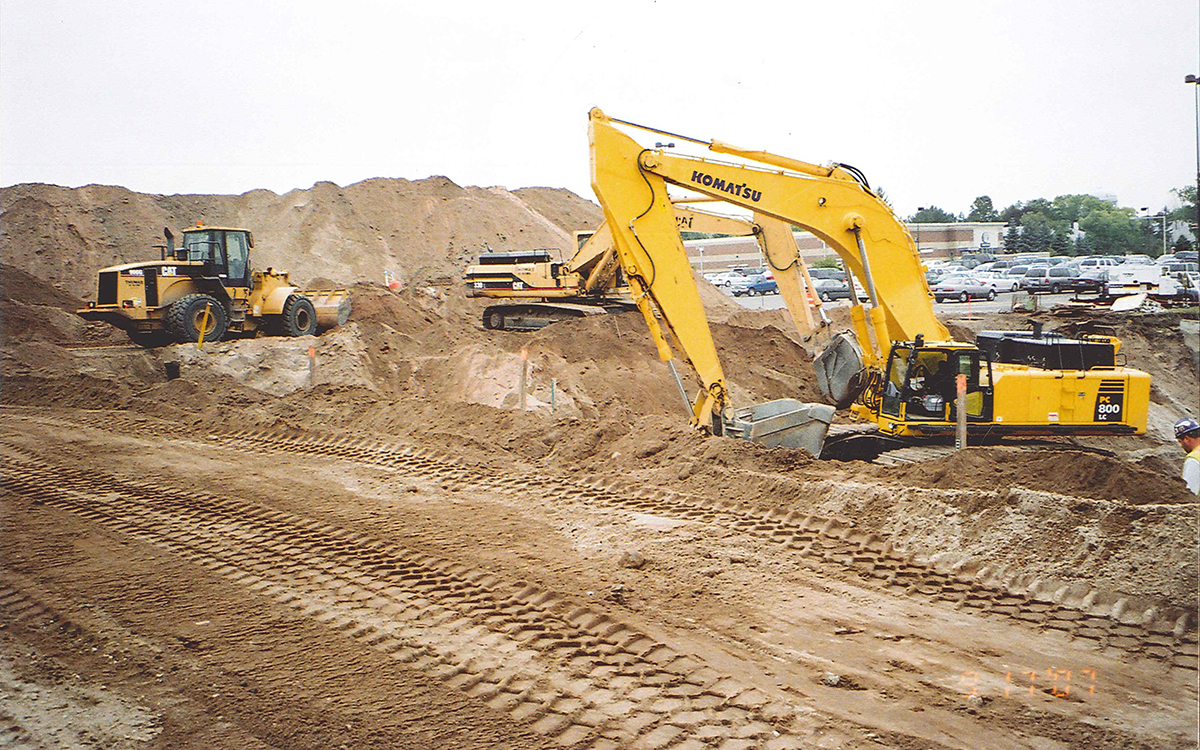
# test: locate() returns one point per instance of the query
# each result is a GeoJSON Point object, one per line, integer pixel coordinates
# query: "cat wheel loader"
{"type": "Point", "coordinates": [205, 289]}
{"type": "Point", "coordinates": [899, 369]}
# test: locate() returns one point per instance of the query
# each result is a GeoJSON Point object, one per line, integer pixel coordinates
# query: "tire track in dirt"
{"type": "Point", "coordinates": [570, 672]}
{"type": "Point", "coordinates": [872, 557]}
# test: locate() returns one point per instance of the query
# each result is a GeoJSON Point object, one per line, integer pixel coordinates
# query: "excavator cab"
{"type": "Point", "coordinates": [920, 387]}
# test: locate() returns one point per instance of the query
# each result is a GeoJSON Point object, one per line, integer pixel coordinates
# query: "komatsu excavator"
{"type": "Point", "coordinates": [899, 367]}
{"type": "Point", "coordinates": [540, 292]}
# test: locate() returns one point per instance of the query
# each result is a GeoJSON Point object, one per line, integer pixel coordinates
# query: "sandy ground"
{"type": "Point", "coordinates": [383, 551]}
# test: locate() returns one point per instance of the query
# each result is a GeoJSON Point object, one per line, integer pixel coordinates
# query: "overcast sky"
{"type": "Point", "coordinates": [937, 102]}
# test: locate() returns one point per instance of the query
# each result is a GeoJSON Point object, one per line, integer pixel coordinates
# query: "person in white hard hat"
{"type": "Point", "coordinates": [1187, 432]}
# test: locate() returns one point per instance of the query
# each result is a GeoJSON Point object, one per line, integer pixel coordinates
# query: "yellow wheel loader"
{"type": "Point", "coordinates": [206, 289]}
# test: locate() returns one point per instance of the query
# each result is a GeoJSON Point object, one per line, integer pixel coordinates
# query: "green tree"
{"type": "Point", "coordinates": [1186, 212]}
{"type": "Point", "coordinates": [983, 210]}
{"type": "Point", "coordinates": [1072, 208]}
{"type": "Point", "coordinates": [1011, 215]}
{"type": "Point", "coordinates": [1181, 243]}
{"type": "Point", "coordinates": [1061, 243]}
{"type": "Point", "coordinates": [1012, 239]}
{"type": "Point", "coordinates": [933, 215]}
{"type": "Point", "coordinates": [1113, 231]}
{"type": "Point", "coordinates": [1036, 234]}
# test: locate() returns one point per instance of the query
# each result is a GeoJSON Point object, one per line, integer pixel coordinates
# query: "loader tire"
{"type": "Point", "coordinates": [299, 318]}
{"type": "Point", "coordinates": [187, 315]}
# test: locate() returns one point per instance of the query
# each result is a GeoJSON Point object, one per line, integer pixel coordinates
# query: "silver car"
{"type": "Point", "coordinates": [963, 288]}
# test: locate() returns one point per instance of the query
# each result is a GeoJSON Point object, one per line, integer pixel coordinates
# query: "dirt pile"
{"type": "Point", "coordinates": [31, 309]}
{"type": "Point", "coordinates": [423, 230]}
{"type": "Point", "coordinates": [1067, 472]}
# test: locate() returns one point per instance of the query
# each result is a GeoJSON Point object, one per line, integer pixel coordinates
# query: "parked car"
{"type": "Point", "coordinates": [1179, 267]}
{"type": "Point", "coordinates": [998, 281]}
{"type": "Point", "coordinates": [962, 288]}
{"type": "Point", "coordinates": [724, 278]}
{"type": "Point", "coordinates": [826, 273]}
{"type": "Point", "coordinates": [1057, 279]}
{"type": "Point", "coordinates": [1137, 260]}
{"type": "Point", "coordinates": [728, 278]}
{"type": "Point", "coordinates": [750, 284]}
{"type": "Point", "coordinates": [1016, 272]}
{"type": "Point", "coordinates": [761, 286]}
{"type": "Point", "coordinates": [832, 289]}
{"type": "Point", "coordinates": [1095, 267]}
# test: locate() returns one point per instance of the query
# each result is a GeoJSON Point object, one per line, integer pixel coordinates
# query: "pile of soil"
{"type": "Point", "coordinates": [421, 231]}
{"type": "Point", "coordinates": [1065, 472]}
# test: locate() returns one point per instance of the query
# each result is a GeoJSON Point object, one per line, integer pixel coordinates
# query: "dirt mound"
{"type": "Point", "coordinates": [31, 309]}
{"type": "Point", "coordinates": [1066, 472]}
{"type": "Point", "coordinates": [18, 286]}
{"type": "Point", "coordinates": [424, 230]}
{"type": "Point", "coordinates": [567, 211]}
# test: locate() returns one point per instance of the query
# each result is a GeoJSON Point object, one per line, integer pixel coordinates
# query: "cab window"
{"type": "Point", "coordinates": [205, 246]}
{"type": "Point", "coordinates": [238, 252]}
{"type": "Point", "coordinates": [897, 374]}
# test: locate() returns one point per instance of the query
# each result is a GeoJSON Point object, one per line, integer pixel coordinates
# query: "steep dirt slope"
{"type": "Point", "coordinates": [568, 211]}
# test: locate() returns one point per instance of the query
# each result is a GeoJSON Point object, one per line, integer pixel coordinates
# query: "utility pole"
{"type": "Point", "coordinates": [1195, 82]}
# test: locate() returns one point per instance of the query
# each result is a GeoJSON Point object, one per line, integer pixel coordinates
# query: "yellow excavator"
{"type": "Point", "coordinates": [899, 367]}
{"type": "Point", "coordinates": [538, 291]}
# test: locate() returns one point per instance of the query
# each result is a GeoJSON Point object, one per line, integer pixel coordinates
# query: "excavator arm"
{"type": "Point", "coordinates": [639, 213]}
{"type": "Point", "coordinates": [831, 202]}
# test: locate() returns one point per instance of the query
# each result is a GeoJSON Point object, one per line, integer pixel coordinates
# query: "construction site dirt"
{"type": "Point", "coordinates": [376, 547]}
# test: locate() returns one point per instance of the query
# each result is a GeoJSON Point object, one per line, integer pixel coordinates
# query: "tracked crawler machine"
{"type": "Point", "coordinates": [898, 366]}
{"type": "Point", "coordinates": [533, 291]}
{"type": "Point", "coordinates": [206, 289]}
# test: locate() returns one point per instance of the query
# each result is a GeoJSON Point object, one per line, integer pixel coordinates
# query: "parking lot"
{"type": "Point", "coordinates": [1002, 303]}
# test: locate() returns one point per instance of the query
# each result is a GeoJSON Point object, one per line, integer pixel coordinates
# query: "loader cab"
{"type": "Point", "coordinates": [225, 253]}
{"type": "Point", "coordinates": [920, 383]}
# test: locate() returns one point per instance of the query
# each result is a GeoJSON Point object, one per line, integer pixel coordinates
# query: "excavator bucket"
{"type": "Point", "coordinates": [838, 369]}
{"type": "Point", "coordinates": [332, 306]}
{"type": "Point", "coordinates": [783, 423]}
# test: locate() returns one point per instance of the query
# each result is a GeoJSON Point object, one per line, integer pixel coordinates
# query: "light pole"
{"type": "Point", "coordinates": [918, 223]}
{"type": "Point", "coordinates": [1196, 83]}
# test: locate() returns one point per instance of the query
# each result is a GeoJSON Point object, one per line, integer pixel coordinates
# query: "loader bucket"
{"type": "Point", "coordinates": [783, 423]}
{"type": "Point", "coordinates": [332, 306]}
{"type": "Point", "coordinates": [838, 367]}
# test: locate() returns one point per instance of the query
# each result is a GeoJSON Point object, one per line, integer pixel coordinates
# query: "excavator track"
{"type": "Point", "coordinates": [534, 316]}
{"type": "Point", "coordinates": [871, 559]}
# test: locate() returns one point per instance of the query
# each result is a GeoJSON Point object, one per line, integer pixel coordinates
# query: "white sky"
{"type": "Point", "coordinates": [937, 102]}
